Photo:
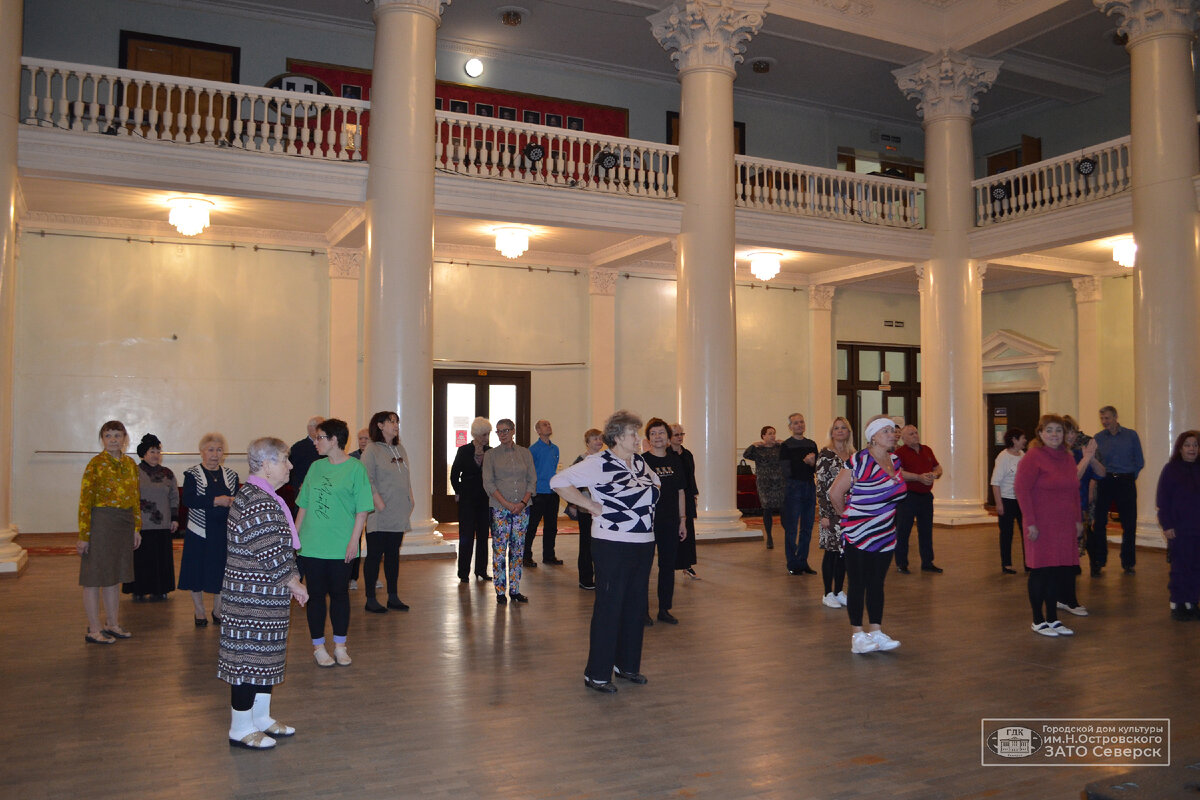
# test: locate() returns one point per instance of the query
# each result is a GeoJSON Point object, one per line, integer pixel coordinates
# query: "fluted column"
{"type": "Point", "coordinates": [1088, 293]}
{"type": "Point", "coordinates": [945, 86]}
{"type": "Point", "coordinates": [1163, 157]}
{"type": "Point", "coordinates": [12, 557]}
{"type": "Point", "coordinates": [398, 360]}
{"type": "Point", "coordinates": [822, 385]}
{"type": "Point", "coordinates": [345, 269]}
{"type": "Point", "coordinates": [705, 38]}
{"type": "Point", "coordinates": [602, 342]}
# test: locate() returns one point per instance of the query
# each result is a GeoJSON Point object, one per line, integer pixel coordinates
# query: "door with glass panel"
{"type": "Point", "coordinates": [875, 379]}
{"type": "Point", "coordinates": [459, 396]}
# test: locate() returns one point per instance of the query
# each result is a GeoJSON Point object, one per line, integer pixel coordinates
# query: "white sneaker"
{"type": "Point", "coordinates": [1078, 611]}
{"type": "Point", "coordinates": [862, 643]}
{"type": "Point", "coordinates": [841, 598]}
{"type": "Point", "coordinates": [1060, 629]}
{"type": "Point", "coordinates": [378, 584]}
{"type": "Point", "coordinates": [353, 586]}
{"type": "Point", "coordinates": [830, 601]}
{"type": "Point", "coordinates": [883, 641]}
{"type": "Point", "coordinates": [1044, 629]}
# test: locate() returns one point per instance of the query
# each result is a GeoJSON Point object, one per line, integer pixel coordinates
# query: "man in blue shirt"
{"type": "Point", "coordinates": [545, 503]}
{"type": "Point", "coordinates": [1120, 450]}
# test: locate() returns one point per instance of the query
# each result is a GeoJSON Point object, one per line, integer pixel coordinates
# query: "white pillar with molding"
{"type": "Point", "coordinates": [1088, 293]}
{"type": "Point", "coordinates": [945, 86]}
{"type": "Point", "coordinates": [705, 40]}
{"type": "Point", "coordinates": [822, 385]}
{"type": "Point", "coordinates": [602, 342]}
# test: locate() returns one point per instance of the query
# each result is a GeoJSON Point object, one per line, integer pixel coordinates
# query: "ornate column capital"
{"type": "Point", "coordinates": [707, 33]}
{"type": "Point", "coordinates": [947, 83]}
{"type": "Point", "coordinates": [1139, 19]}
{"type": "Point", "coordinates": [430, 8]}
{"type": "Point", "coordinates": [1088, 290]}
{"type": "Point", "coordinates": [980, 271]}
{"type": "Point", "coordinates": [602, 281]}
{"type": "Point", "coordinates": [345, 262]}
{"type": "Point", "coordinates": [820, 297]}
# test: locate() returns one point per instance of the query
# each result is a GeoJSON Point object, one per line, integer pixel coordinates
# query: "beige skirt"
{"type": "Point", "coordinates": [109, 559]}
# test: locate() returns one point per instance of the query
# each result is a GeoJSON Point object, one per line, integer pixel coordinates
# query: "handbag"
{"type": "Point", "coordinates": [743, 468]}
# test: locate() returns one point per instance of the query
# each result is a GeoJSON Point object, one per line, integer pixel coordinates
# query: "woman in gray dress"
{"type": "Point", "coordinates": [768, 475]}
{"type": "Point", "coordinates": [260, 582]}
{"type": "Point", "coordinates": [387, 468]}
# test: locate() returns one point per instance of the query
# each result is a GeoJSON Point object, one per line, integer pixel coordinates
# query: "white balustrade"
{"type": "Point", "coordinates": [1082, 176]}
{"type": "Point", "coordinates": [827, 193]}
{"type": "Point", "coordinates": [125, 103]}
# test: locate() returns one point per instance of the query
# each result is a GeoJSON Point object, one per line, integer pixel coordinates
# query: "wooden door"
{"type": "Point", "coordinates": [1009, 410]}
{"type": "Point", "coordinates": [182, 58]}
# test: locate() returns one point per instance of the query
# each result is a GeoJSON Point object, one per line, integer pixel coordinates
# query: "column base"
{"type": "Point", "coordinates": [1148, 534]}
{"type": "Point", "coordinates": [957, 513]}
{"type": "Point", "coordinates": [13, 558]}
{"type": "Point", "coordinates": [424, 540]}
{"type": "Point", "coordinates": [722, 526]}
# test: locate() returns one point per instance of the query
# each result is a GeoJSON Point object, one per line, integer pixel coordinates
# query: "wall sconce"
{"type": "Point", "coordinates": [350, 137]}
{"type": "Point", "coordinates": [764, 264]}
{"type": "Point", "coordinates": [189, 215]}
{"type": "Point", "coordinates": [512, 241]}
{"type": "Point", "coordinates": [1124, 251]}
{"type": "Point", "coordinates": [473, 67]}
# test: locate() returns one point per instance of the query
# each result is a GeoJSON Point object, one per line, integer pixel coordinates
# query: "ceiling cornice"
{"type": "Point", "coordinates": [35, 221]}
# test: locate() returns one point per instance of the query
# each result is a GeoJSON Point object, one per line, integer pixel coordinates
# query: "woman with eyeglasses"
{"type": "Point", "coordinates": [387, 468]}
{"type": "Point", "coordinates": [510, 480]}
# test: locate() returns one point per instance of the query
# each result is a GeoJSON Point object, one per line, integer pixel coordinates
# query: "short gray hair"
{"type": "Point", "coordinates": [480, 426]}
{"type": "Point", "coordinates": [213, 436]}
{"type": "Point", "coordinates": [265, 449]}
{"type": "Point", "coordinates": [618, 424]}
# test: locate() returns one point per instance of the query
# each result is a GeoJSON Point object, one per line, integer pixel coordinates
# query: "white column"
{"type": "Point", "coordinates": [345, 268]}
{"type": "Point", "coordinates": [945, 86]}
{"type": "Point", "coordinates": [12, 556]}
{"type": "Point", "coordinates": [822, 385]}
{"type": "Point", "coordinates": [706, 39]}
{"type": "Point", "coordinates": [1163, 156]}
{"type": "Point", "coordinates": [1088, 293]}
{"type": "Point", "coordinates": [398, 358]}
{"type": "Point", "coordinates": [602, 342]}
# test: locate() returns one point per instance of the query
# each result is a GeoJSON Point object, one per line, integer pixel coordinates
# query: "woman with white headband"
{"type": "Point", "coordinates": [866, 495]}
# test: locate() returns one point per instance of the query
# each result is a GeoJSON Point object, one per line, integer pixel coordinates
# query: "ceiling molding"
{"type": "Point", "coordinates": [533, 259]}
{"type": "Point", "coordinates": [814, 235]}
{"type": "Point", "coordinates": [1108, 217]}
{"type": "Point", "coordinates": [1054, 72]}
{"type": "Point", "coordinates": [626, 249]}
{"type": "Point", "coordinates": [346, 224]}
{"type": "Point", "coordinates": [35, 221]}
{"type": "Point", "coordinates": [858, 272]}
{"type": "Point", "coordinates": [1075, 268]}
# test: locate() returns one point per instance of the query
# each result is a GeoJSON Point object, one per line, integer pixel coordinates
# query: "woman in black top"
{"type": "Point", "coordinates": [670, 515]}
{"type": "Point", "coordinates": [466, 476]}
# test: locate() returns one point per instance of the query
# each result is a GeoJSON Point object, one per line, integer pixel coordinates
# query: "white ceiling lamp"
{"type": "Point", "coordinates": [764, 264]}
{"type": "Point", "coordinates": [189, 215]}
{"type": "Point", "coordinates": [512, 241]}
{"type": "Point", "coordinates": [473, 67]}
{"type": "Point", "coordinates": [1124, 251]}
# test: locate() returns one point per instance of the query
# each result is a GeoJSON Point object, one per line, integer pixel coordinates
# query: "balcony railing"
{"type": "Point", "coordinates": [1079, 177]}
{"type": "Point", "coordinates": [827, 193]}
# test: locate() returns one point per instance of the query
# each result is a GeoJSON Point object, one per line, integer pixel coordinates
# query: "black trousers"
{"type": "Point", "coordinates": [474, 525]}
{"type": "Point", "coordinates": [1010, 517]}
{"type": "Point", "coordinates": [241, 696]}
{"type": "Point", "coordinates": [622, 581]}
{"type": "Point", "coordinates": [327, 577]}
{"type": "Point", "coordinates": [666, 540]}
{"type": "Point", "coordinates": [542, 508]}
{"type": "Point", "coordinates": [1123, 492]}
{"type": "Point", "coordinates": [833, 571]}
{"type": "Point", "coordinates": [916, 506]}
{"type": "Point", "coordinates": [385, 546]}
{"type": "Point", "coordinates": [587, 570]}
{"type": "Point", "coordinates": [865, 572]}
{"type": "Point", "coordinates": [1045, 584]}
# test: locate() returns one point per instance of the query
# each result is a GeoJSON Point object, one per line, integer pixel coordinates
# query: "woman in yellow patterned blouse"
{"type": "Point", "coordinates": [110, 521]}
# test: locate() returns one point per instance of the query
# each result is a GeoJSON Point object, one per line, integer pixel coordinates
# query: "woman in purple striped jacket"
{"type": "Point", "coordinates": [866, 495]}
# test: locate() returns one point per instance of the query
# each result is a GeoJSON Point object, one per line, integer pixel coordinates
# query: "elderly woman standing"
{"type": "Point", "coordinates": [832, 459]}
{"type": "Point", "coordinates": [623, 492]}
{"type": "Point", "coordinates": [260, 582]}
{"type": "Point", "coordinates": [154, 561]}
{"type": "Point", "coordinates": [768, 477]}
{"type": "Point", "coordinates": [510, 480]}
{"type": "Point", "coordinates": [110, 524]}
{"type": "Point", "coordinates": [866, 495]}
{"type": "Point", "coordinates": [386, 462]}
{"type": "Point", "coordinates": [1178, 501]}
{"type": "Point", "coordinates": [466, 477]}
{"type": "Point", "coordinates": [208, 491]}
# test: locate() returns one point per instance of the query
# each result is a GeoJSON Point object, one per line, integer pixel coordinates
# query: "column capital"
{"type": "Point", "coordinates": [345, 262]}
{"type": "Point", "coordinates": [1088, 290]}
{"type": "Point", "coordinates": [602, 281]}
{"type": "Point", "coordinates": [1139, 19]}
{"type": "Point", "coordinates": [820, 297]}
{"type": "Point", "coordinates": [430, 8]}
{"type": "Point", "coordinates": [947, 83]}
{"type": "Point", "coordinates": [707, 33]}
{"type": "Point", "coordinates": [980, 271]}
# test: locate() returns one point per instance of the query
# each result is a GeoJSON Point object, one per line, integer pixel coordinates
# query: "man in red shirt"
{"type": "Point", "coordinates": [920, 469]}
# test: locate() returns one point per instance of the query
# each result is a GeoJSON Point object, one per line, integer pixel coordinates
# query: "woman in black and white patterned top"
{"type": "Point", "coordinates": [624, 491]}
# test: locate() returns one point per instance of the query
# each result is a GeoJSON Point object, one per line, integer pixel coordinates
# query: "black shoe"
{"type": "Point", "coordinates": [795, 571]}
{"type": "Point", "coordinates": [606, 687]}
{"type": "Point", "coordinates": [483, 577]}
{"type": "Point", "coordinates": [632, 677]}
{"type": "Point", "coordinates": [501, 599]}
{"type": "Point", "coordinates": [517, 597]}
{"type": "Point", "coordinates": [588, 586]}
{"type": "Point", "coordinates": [1182, 614]}
{"type": "Point", "coordinates": [529, 562]}
{"type": "Point", "coordinates": [1095, 572]}
{"type": "Point", "coordinates": [139, 598]}
{"type": "Point", "coordinates": [374, 606]}
{"type": "Point", "coordinates": [555, 561]}
{"type": "Point", "coordinates": [201, 622]}
{"type": "Point", "coordinates": [397, 603]}
{"type": "Point", "coordinates": [931, 568]}
{"type": "Point", "coordinates": [903, 570]}
{"type": "Point", "coordinates": [1129, 570]}
{"type": "Point", "coordinates": [463, 579]}
{"type": "Point", "coordinates": [1008, 570]}
{"type": "Point", "coordinates": [665, 616]}
{"type": "Point", "coordinates": [807, 570]}
{"type": "Point", "coordinates": [216, 619]}
{"type": "Point", "coordinates": [649, 622]}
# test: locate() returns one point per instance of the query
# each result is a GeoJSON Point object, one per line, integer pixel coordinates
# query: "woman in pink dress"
{"type": "Point", "coordinates": [1048, 492]}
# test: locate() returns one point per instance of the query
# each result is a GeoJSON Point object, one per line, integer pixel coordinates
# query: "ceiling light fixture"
{"type": "Point", "coordinates": [512, 16]}
{"type": "Point", "coordinates": [764, 264]}
{"type": "Point", "coordinates": [1124, 251]}
{"type": "Point", "coordinates": [473, 67]}
{"type": "Point", "coordinates": [512, 241]}
{"type": "Point", "coordinates": [189, 215]}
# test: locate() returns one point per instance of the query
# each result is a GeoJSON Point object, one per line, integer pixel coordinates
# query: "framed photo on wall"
{"type": "Point", "coordinates": [507, 112]}
{"type": "Point", "coordinates": [575, 123]}
{"type": "Point", "coordinates": [485, 110]}
{"type": "Point", "coordinates": [531, 117]}
{"type": "Point", "coordinates": [460, 107]}
{"type": "Point", "coordinates": [554, 120]}
{"type": "Point", "coordinates": [351, 91]}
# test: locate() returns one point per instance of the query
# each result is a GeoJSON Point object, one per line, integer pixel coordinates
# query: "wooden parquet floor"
{"type": "Point", "coordinates": [755, 694]}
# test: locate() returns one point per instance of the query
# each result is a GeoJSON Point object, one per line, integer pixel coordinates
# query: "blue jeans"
{"type": "Point", "coordinates": [799, 506]}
